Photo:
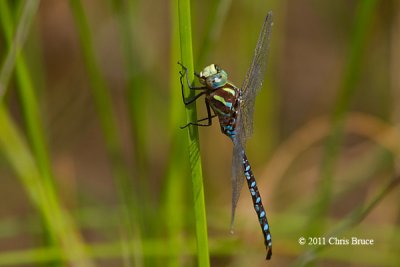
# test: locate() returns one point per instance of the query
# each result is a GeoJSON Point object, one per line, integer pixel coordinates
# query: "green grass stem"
{"type": "Point", "coordinates": [28, 13]}
{"type": "Point", "coordinates": [193, 137]}
{"type": "Point", "coordinates": [106, 114]}
{"type": "Point", "coordinates": [30, 110]}
{"type": "Point", "coordinates": [176, 182]}
{"type": "Point", "coordinates": [29, 104]}
{"type": "Point", "coordinates": [99, 87]}
{"type": "Point", "coordinates": [126, 13]}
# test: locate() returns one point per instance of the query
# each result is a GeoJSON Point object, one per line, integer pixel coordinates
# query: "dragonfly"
{"type": "Point", "coordinates": [234, 108]}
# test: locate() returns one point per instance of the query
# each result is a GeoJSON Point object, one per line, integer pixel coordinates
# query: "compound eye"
{"type": "Point", "coordinates": [218, 68]}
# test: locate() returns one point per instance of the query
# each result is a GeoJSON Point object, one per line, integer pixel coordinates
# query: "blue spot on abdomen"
{"type": "Point", "coordinates": [268, 237]}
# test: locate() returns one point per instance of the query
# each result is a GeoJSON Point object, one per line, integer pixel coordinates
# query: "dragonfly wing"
{"type": "Point", "coordinates": [237, 166]}
{"type": "Point", "coordinates": [251, 86]}
{"type": "Point", "coordinates": [237, 177]}
{"type": "Point", "coordinates": [255, 75]}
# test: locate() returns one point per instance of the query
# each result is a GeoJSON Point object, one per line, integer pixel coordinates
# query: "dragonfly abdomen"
{"type": "Point", "coordinates": [258, 206]}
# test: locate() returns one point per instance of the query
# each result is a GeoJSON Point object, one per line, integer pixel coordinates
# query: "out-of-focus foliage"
{"type": "Point", "coordinates": [94, 168]}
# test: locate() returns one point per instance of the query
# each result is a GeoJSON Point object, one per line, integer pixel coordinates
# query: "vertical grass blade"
{"type": "Point", "coordinates": [176, 182]}
{"type": "Point", "coordinates": [30, 110]}
{"type": "Point", "coordinates": [104, 107]}
{"type": "Point", "coordinates": [29, 11]}
{"type": "Point", "coordinates": [193, 137]}
{"type": "Point", "coordinates": [136, 94]}
{"type": "Point", "coordinates": [126, 15]}
{"type": "Point", "coordinates": [353, 66]}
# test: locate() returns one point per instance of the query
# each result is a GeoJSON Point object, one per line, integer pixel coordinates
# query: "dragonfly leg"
{"type": "Point", "coordinates": [190, 101]}
{"type": "Point", "coordinates": [209, 118]}
{"type": "Point", "coordinates": [187, 102]}
{"type": "Point", "coordinates": [187, 79]}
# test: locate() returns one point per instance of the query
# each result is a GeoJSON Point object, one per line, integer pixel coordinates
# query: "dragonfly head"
{"type": "Point", "coordinates": [213, 76]}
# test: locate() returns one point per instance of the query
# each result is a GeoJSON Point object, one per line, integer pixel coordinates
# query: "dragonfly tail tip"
{"type": "Point", "coordinates": [269, 253]}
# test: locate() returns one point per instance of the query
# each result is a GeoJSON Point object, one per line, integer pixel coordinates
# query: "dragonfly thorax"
{"type": "Point", "coordinates": [213, 76]}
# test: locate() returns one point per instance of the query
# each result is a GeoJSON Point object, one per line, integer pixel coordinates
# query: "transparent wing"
{"type": "Point", "coordinates": [255, 75]}
{"type": "Point", "coordinates": [244, 125]}
{"type": "Point", "coordinates": [237, 167]}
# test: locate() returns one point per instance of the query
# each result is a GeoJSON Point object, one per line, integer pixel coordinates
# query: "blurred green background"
{"type": "Point", "coordinates": [94, 168]}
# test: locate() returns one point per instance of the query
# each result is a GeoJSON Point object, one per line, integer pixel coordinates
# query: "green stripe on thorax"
{"type": "Point", "coordinates": [229, 90]}
{"type": "Point", "coordinates": [222, 100]}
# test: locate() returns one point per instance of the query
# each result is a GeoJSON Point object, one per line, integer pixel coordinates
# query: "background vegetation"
{"type": "Point", "coordinates": [95, 171]}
